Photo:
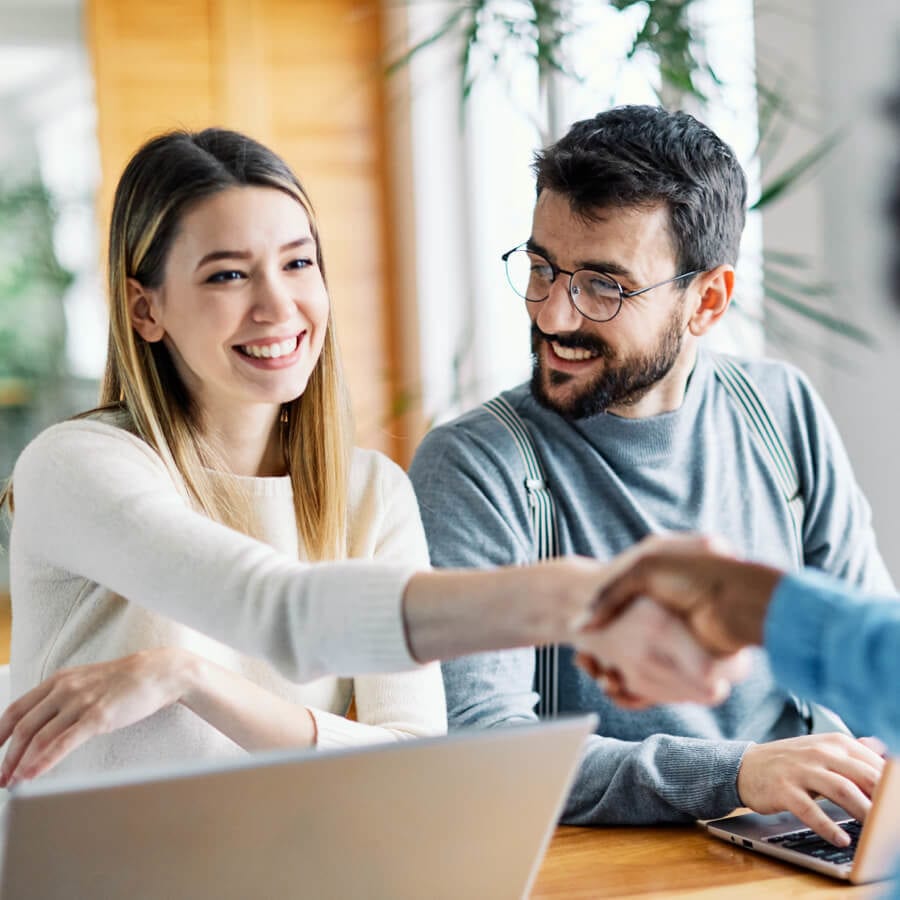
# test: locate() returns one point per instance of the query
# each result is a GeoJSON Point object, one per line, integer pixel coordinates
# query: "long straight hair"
{"type": "Point", "coordinates": [162, 181]}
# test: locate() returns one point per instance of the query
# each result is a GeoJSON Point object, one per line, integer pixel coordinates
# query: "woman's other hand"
{"type": "Point", "coordinates": [50, 721]}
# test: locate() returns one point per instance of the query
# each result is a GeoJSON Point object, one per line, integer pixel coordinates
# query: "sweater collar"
{"type": "Point", "coordinates": [628, 442]}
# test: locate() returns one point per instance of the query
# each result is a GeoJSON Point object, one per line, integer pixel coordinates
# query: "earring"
{"type": "Point", "coordinates": [283, 418]}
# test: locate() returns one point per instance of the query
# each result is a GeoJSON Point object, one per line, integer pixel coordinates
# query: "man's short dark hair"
{"type": "Point", "coordinates": [642, 156]}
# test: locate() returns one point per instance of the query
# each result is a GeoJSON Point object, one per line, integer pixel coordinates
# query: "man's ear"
{"type": "Point", "coordinates": [714, 288]}
{"type": "Point", "coordinates": [143, 310]}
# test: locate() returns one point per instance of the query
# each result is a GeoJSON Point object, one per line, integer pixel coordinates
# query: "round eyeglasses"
{"type": "Point", "coordinates": [596, 295]}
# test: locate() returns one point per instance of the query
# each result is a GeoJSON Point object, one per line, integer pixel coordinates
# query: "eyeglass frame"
{"type": "Point", "coordinates": [556, 271]}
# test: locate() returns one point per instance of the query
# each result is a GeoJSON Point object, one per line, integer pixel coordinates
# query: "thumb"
{"type": "Point", "coordinates": [708, 627]}
{"type": "Point", "coordinates": [664, 578]}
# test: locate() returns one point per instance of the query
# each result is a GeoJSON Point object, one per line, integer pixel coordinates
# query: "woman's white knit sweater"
{"type": "Point", "coordinates": [107, 558]}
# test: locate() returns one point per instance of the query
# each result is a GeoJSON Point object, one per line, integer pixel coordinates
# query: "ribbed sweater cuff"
{"type": "Point", "coordinates": [362, 625]}
{"type": "Point", "coordinates": [333, 731]}
{"type": "Point", "coordinates": [709, 781]}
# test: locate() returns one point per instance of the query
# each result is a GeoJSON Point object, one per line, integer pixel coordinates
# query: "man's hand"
{"type": "Point", "coordinates": [722, 600]}
{"type": "Point", "coordinates": [789, 775]}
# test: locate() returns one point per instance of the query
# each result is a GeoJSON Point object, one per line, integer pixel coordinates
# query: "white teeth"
{"type": "Point", "coordinates": [573, 353]}
{"type": "Point", "coordinates": [270, 351]}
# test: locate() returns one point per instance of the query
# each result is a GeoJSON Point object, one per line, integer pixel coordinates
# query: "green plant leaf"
{"type": "Point", "coordinates": [783, 258]}
{"type": "Point", "coordinates": [32, 284]}
{"type": "Point", "coordinates": [795, 172]}
{"type": "Point", "coordinates": [404, 59]}
{"type": "Point", "coordinates": [832, 323]}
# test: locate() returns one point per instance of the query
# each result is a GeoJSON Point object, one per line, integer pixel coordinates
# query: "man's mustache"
{"type": "Point", "coordinates": [576, 340]}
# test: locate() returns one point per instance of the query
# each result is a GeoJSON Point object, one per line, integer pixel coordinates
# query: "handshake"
{"type": "Point", "coordinates": [671, 622]}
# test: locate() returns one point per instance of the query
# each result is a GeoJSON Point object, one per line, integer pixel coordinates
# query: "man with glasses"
{"type": "Point", "coordinates": [628, 427]}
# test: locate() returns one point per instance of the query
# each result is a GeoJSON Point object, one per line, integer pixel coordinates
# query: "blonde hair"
{"type": "Point", "coordinates": [164, 178]}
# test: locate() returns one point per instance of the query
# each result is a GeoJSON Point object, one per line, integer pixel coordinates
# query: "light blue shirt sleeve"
{"type": "Point", "coordinates": [838, 647]}
{"type": "Point", "coordinates": [834, 645]}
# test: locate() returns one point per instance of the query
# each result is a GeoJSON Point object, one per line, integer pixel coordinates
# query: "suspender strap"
{"type": "Point", "coordinates": [746, 396]}
{"type": "Point", "coordinates": [762, 423]}
{"type": "Point", "coordinates": [749, 401]}
{"type": "Point", "coordinates": [546, 541]}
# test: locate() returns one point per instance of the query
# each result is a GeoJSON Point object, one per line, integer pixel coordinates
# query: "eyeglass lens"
{"type": "Point", "coordinates": [531, 277]}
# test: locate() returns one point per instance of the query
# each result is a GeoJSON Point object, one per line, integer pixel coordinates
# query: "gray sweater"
{"type": "Point", "coordinates": [614, 481]}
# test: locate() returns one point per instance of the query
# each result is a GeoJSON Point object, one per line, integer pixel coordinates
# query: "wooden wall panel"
{"type": "Point", "coordinates": [304, 77]}
{"type": "Point", "coordinates": [323, 83]}
{"type": "Point", "coordinates": [151, 65]}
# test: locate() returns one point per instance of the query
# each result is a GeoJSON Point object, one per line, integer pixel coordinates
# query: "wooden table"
{"type": "Point", "coordinates": [673, 862]}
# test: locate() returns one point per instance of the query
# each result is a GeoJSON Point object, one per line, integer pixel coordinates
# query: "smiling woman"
{"type": "Point", "coordinates": [243, 312]}
{"type": "Point", "coordinates": [222, 395]}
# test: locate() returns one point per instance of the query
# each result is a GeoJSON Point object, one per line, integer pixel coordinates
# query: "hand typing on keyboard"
{"type": "Point", "coordinates": [807, 841]}
{"type": "Point", "coordinates": [790, 774]}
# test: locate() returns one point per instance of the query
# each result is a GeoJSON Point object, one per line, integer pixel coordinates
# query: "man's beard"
{"type": "Point", "coordinates": [621, 384]}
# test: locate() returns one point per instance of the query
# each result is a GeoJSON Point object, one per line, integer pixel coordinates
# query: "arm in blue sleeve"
{"type": "Point", "coordinates": [840, 648]}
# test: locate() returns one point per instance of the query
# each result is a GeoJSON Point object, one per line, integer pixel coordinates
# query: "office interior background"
{"type": "Point", "coordinates": [419, 189]}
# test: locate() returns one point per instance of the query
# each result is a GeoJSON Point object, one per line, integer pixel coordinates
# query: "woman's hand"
{"type": "Point", "coordinates": [62, 713]}
{"type": "Point", "coordinates": [646, 655]}
{"type": "Point", "coordinates": [70, 707]}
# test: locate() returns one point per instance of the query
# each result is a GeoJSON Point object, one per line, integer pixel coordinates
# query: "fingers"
{"type": "Point", "coordinates": [46, 750]}
{"type": "Point", "coordinates": [663, 544]}
{"type": "Point", "coordinates": [666, 682]}
{"type": "Point", "coordinates": [611, 683]}
{"type": "Point", "coordinates": [805, 808]}
{"type": "Point", "coordinates": [876, 745]}
{"type": "Point", "coordinates": [675, 664]}
{"type": "Point", "coordinates": [648, 576]}
{"type": "Point", "coordinates": [856, 760]}
{"type": "Point", "coordinates": [74, 705]}
{"type": "Point", "coordinates": [29, 744]}
{"type": "Point", "coordinates": [678, 649]}
{"type": "Point", "coordinates": [16, 710]}
{"type": "Point", "coordinates": [630, 572]}
{"type": "Point", "coordinates": [841, 790]}
{"type": "Point", "coordinates": [30, 723]}
{"type": "Point", "coordinates": [735, 668]}
{"type": "Point", "coordinates": [655, 656]}
{"type": "Point", "coordinates": [590, 665]}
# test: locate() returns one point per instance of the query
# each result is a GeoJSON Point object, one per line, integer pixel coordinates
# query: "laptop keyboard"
{"type": "Point", "coordinates": [808, 842]}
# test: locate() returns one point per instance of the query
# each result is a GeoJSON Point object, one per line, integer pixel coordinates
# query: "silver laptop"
{"type": "Point", "coordinates": [469, 815]}
{"type": "Point", "coordinates": [873, 855]}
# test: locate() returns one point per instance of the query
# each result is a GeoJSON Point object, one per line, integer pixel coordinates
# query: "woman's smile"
{"type": "Point", "coordinates": [271, 353]}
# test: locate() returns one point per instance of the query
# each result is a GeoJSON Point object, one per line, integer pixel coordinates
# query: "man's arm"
{"type": "Point", "coordinates": [472, 500]}
{"type": "Point", "coordinates": [838, 537]}
{"type": "Point", "coordinates": [659, 779]}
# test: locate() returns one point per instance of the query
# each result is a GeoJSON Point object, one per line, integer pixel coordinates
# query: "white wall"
{"type": "Point", "coordinates": [843, 62]}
